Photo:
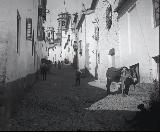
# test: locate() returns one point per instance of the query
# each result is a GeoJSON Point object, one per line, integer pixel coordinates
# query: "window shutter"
{"type": "Point", "coordinates": [29, 29]}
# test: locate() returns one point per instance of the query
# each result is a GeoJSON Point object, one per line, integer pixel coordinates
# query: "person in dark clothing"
{"type": "Point", "coordinates": [62, 64]}
{"type": "Point", "coordinates": [127, 84]}
{"type": "Point", "coordinates": [78, 77]}
{"type": "Point", "coordinates": [59, 65]}
{"type": "Point", "coordinates": [44, 71]}
{"type": "Point", "coordinates": [55, 64]}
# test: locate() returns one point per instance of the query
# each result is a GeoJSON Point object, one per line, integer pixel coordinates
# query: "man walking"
{"type": "Point", "coordinates": [44, 71]}
{"type": "Point", "coordinates": [55, 64]}
{"type": "Point", "coordinates": [78, 77]}
{"type": "Point", "coordinates": [59, 65]}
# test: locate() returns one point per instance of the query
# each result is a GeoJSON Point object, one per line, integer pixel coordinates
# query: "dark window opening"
{"type": "Point", "coordinates": [63, 23]}
{"type": "Point", "coordinates": [156, 12]}
{"type": "Point", "coordinates": [71, 42]}
{"type": "Point", "coordinates": [109, 17]}
{"type": "Point", "coordinates": [98, 58]}
{"type": "Point", "coordinates": [80, 45]}
{"type": "Point", "coordinates": [68, 38]}
{"type": "Point", "coordinates": [96, 34]}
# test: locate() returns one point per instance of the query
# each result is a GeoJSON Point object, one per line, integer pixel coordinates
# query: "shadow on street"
{"type": "Point", "coordinates": [57, 104]}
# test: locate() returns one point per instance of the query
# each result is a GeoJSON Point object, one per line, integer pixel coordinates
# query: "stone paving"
{"type": "Point", "coordinates": [57, 104]}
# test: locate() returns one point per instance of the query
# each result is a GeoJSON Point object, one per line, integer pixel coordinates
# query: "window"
{"type": "Point", "coordinates": [68, 38]}
{"type": "Point", "coordinates": [40, 28]}
{"type": "Point", "coordinates": [80, 45]}
{"type": "Point", "coordinates": [96, 33]}
{"type": "Point", "coordinates": [18, 31]}
{"type": "Point", "coordinates": [109, 17]}
{"type": "Point", "coordinates": [156, 12]}
{"type": "Point", "coordinates": [63, 23]}
{"type": "Point", "coordinates": [28, 29]}
{"type": "Point", "coordinates": [49, 34]}
{"type": "Point", "coordinates": [81, 28]}
{"type": "Point", "coordinates": [98, 58]}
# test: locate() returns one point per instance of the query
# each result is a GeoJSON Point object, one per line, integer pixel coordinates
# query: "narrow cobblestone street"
{"type": "Point", "coordinates": [79, 65]}
{"type": "Point", "coordinates": [57, 104]}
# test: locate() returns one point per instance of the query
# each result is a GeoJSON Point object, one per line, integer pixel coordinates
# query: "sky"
{"type": "Point", "coordinates": [57, 6]}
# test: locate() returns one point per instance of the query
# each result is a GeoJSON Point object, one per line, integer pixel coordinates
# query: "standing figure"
{"type": "Point", "coordinates": [62, 64]}
{"type": "Point", "coordinates": [128, 82]}
{"type": "Point", "coordinates": [123, 78]}
{"type": "Point", "coordinates": [44, 71]}
{"type": "Point", "coordinates": [78, 77]}
{"type": "Point", "coordinates": [59, 65]}
{"type": "Point", "coordinates": [55, 64]}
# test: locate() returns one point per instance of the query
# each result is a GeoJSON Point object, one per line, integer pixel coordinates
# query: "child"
{"type": "Point", "coordinates": [78, 77]}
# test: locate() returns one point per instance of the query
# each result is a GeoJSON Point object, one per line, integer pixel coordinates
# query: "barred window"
{"type": "Point", "coordinates": [156, 12]}
{"type": "Point", "coordinates": [28, 29]}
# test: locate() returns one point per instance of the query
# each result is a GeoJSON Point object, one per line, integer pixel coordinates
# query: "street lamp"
{"type": "Point", "coordinates": [75, 47]}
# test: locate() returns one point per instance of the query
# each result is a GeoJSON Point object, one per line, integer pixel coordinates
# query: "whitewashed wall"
{"type": "Point", "coordinates": [22, 64]}
{"type": "Point", "coordinates": [139, 39]}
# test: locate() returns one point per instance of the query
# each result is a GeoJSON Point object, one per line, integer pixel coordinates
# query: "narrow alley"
{"type": "Point", "coordinates": [79, 65]}
{"type": "Point", "coordinates": [56, 104]}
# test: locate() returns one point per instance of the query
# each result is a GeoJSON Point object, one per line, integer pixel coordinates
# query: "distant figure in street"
{"type": "Point", "coordinates": [78, 77]}
{"type": "Point", "coordinates": [62, 64]}
{"type": "Point", "coordinates": [55, 64]}
{"type": "Point", "coordinates": [59, 65]}
{"type": "Point", "coordinates": [43, 68]}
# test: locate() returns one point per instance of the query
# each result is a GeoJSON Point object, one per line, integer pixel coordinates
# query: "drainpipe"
{"type": "Point", "coordinates": [85, 43]}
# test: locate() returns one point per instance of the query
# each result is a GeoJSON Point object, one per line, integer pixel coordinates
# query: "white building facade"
{"type": "Point", "coordinates": [139, 36]}
{"type": "Point", "coordinates": [21, 40]}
